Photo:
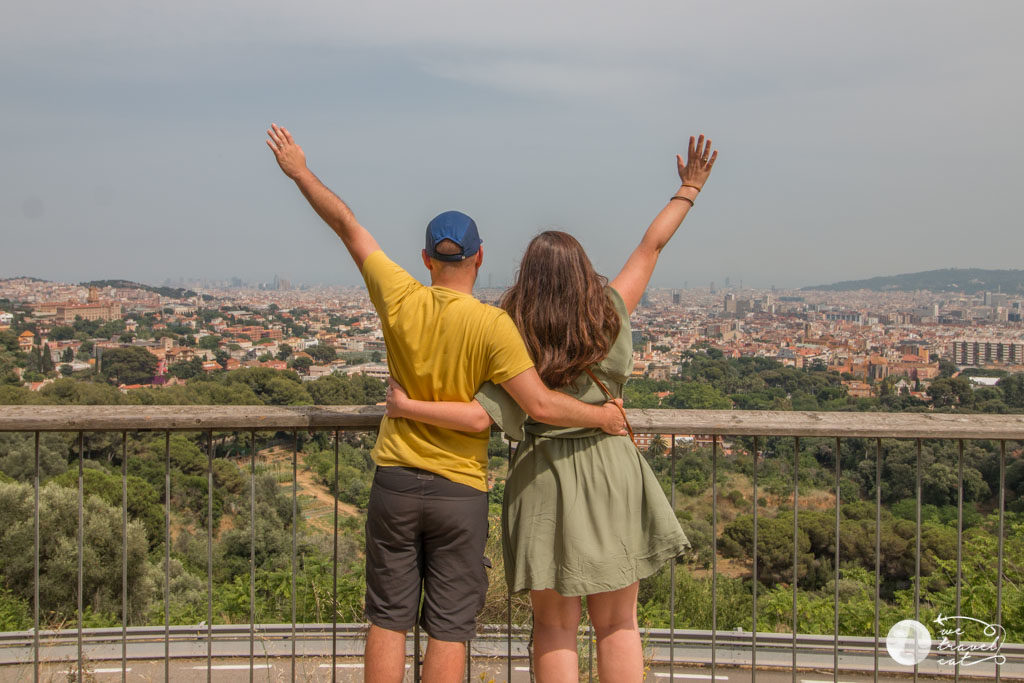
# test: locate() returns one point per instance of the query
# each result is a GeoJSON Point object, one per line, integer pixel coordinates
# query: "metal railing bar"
{"type": "Point", "coordinates": [328, 418]}
{"type": "Point", "coordinates": [35, 570]}
{"type": "Point", "coordinates": [835, 603]}
{"type": "Point", "coordinates": [508, 597]}
{"type": "Point", "coordinates": [167, 556]}
{"type": "Point", "coordinates": [714, 552]}
{"type": "Point", "coordinates": [918, 491]}
{"type": "Point", "coordinates": [416, 650]}
{"type": "Point", "coordinates": [878, 544]}
{"type": "Point", "coordinates": [671, 574]}
{"type": "Point", "coordinates": [796, 530]}
{"type": "Point", "coordinates": [999, 551]}
{"type": "Point", "coordinates": [782, 641]}
{"type": "Point", "coordinates": [959, 542]}
{"type": "Point", "coordinates": [295, 538]}
{"type": "Point", "coordinates": [753, 623]}
{"type": "Point", "coordinates": [469, 659]}
{"type": "Point", "coordinates": [252, 555]}
{"type": "Point", "coordinates": [81, 544]}
{"type": "Point", "coordinates": [590, 648]}
{"type": "Point", "coordinates": [313, 631]}
{"type": "Point", "coordinates": [334, 573]}
{"type": "Point", "coordinates": [124, 555]}
{"type": "Point", "coordinates": [209, 556]}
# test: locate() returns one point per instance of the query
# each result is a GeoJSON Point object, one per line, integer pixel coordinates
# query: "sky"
{"type": "Point", "coordinates": [856, 138]}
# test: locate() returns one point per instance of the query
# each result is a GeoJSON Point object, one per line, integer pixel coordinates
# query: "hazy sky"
{"type": "Point", "coordinates": [856, 138]}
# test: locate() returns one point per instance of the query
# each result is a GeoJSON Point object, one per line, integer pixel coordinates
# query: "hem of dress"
{"type": "Point", "coordinates": [642, 569]}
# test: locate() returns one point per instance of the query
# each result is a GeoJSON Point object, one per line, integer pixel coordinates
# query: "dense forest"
{"type": "Point", "coordinates": [706, 380]}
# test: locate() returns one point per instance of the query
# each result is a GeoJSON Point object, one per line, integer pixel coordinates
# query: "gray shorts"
{"type": "Point", "coordinates": [424, 530]}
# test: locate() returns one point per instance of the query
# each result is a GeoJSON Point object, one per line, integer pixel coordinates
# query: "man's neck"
{"type": "Point", "coordinates": [459, 282]}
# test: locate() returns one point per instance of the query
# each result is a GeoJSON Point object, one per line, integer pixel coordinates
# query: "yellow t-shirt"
{"type": "Point", "coordinates": [442, 345]}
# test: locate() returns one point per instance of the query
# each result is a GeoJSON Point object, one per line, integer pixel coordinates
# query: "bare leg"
{"type": "Point", "coordinates": [556, 620]}
{"type": "Point", "coordinates": [445, 661]}
{"type": "Point", "coordinates": [620, 657]}
{"type": "Point", "coordinates": [384, 660]}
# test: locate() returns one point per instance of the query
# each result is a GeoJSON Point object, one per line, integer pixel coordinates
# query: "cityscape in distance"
{"type": "Point", "coordinates": [201, 327]}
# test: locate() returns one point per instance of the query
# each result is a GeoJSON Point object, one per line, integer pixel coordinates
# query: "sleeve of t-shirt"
{"type": "Point", "coordinates": [505, 412]}
{"type": "Point", "coordinates": [387, 282]}
{"type": "Point", "coordinates": [508, 354]}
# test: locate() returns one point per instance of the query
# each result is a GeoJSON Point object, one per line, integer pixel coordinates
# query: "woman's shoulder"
{"type": "Point", "coordinates": [617, 301]}
{"type": "Point", "coordinates": [619, 360]}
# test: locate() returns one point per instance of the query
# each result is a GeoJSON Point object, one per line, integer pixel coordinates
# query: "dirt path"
{"type": "Point", "coordinates": [315, 499]}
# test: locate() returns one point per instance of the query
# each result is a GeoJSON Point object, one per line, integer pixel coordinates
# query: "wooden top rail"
{"type": "Point", "coordinates": [723, 422]}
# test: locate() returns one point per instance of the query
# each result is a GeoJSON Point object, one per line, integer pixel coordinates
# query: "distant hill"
{"type": "Point", "coordinates": [964, 280]}
{"type": "Point", "coordinates": [169, 292]}
{"type": "Point", "coordinates": [22, 277]}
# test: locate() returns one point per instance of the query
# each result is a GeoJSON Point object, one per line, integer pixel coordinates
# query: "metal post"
{"type": "Point", "coordinates": [999, 561]}
{"type": "Point", "coordinates": [81, 544]}
{"type": "Point", "coordinates": [295, 536]}
{"type": "Point", "coordinates": [753, 623]}
{"type": "Point", "coordinates": [878, 545]}
{"type": "Point", "coordinates": [167, 556]}
{"type": "Point", "coordinates": [959, 541]}
{"type": "Point", "coordinates": [671, 575]}
{"type": "Point", "coordinates": [252, 554]}
{"type": "Point", "coordinates": [508, 598]}
{"type": "Point", "coordinates": [835, 613]}
{"type": "Point", "coordinates": [209, 557]}
{"type": "Point", "coordinates": [334, 572]}
{"type": "Point", "coordinates": [590, 649]}
{"type": "Point", "coordinates": [35, 572]}
{"type": "Point", "coordinates": [416, 651]}
{"type": "Point", "coordinates": [124, 556]}
{"type": "Point", "coordinates": [917, 544]}
{"type": "Point", "coordinates": [796, 507]}
{"type": "Point", "coordinates": [714, 554]}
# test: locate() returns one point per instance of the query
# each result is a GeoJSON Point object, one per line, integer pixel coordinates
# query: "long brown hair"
{"type": "Point", "coordinates": [559, 305]}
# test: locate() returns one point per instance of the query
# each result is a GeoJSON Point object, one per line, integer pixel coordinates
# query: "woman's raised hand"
{"type": "Point", "coordinates": [699, 160]}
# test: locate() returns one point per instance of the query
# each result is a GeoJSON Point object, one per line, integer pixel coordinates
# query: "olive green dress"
{"type": "Point", "coordinates": [583, 512]}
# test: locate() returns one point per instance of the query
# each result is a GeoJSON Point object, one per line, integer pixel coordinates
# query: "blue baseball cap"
{"type": "Point", "coordinates": [457, 227]}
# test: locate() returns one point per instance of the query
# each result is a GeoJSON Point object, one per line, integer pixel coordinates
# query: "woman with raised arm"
{"type": "Point", "coordinates": [584, 515]}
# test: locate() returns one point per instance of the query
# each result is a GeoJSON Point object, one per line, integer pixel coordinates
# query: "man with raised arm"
{"type": "Point", "coordinates": [427, 516]}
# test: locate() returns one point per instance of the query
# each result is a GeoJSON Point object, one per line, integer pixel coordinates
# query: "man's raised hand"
{"type": "Point", "coordinates": [289, 155]}
{"type": "Point", "coordinates": [699, 160]}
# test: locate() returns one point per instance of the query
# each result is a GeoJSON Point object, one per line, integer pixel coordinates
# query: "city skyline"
{"type": "Point", "coordinates": [855, 140]}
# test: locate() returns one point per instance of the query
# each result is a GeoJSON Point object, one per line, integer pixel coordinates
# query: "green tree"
{"type": "Point", "coordinates": [210, 342]}
{"type": "Point", "coordinates": [62, 332]}
{"type": "Point", "coordinates": [129, 365]}
{"type": "Point", "coordinates": [346, 390]}
{"type": "Point", "coordinates": [1012, 387]}
{"type": "Point", "coordinates": [322, 353]}
{"type": "Point", "coordinates": [58, 557]}
{"type": "Point", "coordinates": [143, 499]}
{"type": "Point", "coordinates": [186, 369]}
{"type": "Point", "coordinates": [69, 391]}
{"type": "Point", "coordinates": [698, 396]}
{"type": "Point", "coordinates": [46, 359]}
